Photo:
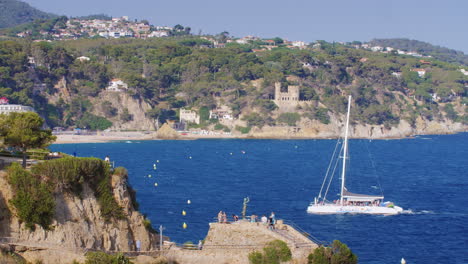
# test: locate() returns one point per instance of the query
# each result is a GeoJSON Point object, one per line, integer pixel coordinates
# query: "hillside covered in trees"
{"type": "Point", "coordinates": [184, 72]}
{"type": "Point", "coordinates": [14, 12]}
{"type": "Point", "coordinates": [427, 49]}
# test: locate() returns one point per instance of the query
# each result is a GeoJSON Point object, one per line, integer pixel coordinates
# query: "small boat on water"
{"type": "Point", "coordinates": [349, 203]}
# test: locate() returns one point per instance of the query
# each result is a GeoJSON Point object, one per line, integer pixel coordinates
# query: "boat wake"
{"type": "Point", "coordinates": [411, 212]}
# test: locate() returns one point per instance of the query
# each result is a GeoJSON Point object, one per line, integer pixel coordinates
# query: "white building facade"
{"type": "Point", "coordinates": [13, 108]}
{"type": "Point", "coordinates": [117, 85]}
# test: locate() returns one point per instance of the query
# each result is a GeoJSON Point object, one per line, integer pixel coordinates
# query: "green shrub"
{"type": "Point", "coordinates": [69, 174]}
{"type": "Point", "coordinates": [289, 118]}
{"type": "Point", "coordinates": [243, 130]}
{"type": "Point", "coordinates": [277, 251]}
{"type": "Point", "coordinates": [451, 113]}
{"type": "Point", "coordinates": [148, 226]}
{"type": "Point", "coordinates": [103, 258]}
{"type": "Point", "coordinates": [274, 252]}
{"type": "Point", "coordinates": [32, 199]}
{"type": "Point", "coordinates": [204, 113]}
{"type": "Point", "coordinates": [219, 126]}
{"type": "Point", "coordinates": [93, 122]}
{"type": "Point", "coordinates": [322, 115]}
{"type": "Point", "coordinates": [256, 258]}
{"type": "Point", "coordinates": [121, 171]}
{"type": "Point", "coordinates": [337, 253]}
{"type": "Point", "coordinates": [255, 119]}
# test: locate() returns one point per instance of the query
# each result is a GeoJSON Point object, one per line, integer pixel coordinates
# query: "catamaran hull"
{"type": "Point", "coordinates": [336, 209]}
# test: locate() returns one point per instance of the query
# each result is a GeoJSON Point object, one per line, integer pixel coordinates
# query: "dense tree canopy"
{"type": "Point", "coordinates": [182, 71]}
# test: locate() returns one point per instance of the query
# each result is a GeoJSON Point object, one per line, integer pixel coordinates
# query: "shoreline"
{"type": "Point", "coordinates": [135, 136]}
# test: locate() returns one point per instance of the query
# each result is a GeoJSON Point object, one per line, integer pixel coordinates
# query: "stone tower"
{"type": "Point", "coordinates": [292, 95]}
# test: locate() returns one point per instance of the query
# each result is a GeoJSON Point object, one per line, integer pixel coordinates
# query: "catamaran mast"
{"type": "Point", "coordinates": [345, 151]}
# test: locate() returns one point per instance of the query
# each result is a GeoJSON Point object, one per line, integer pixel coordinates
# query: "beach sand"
{"type": "Point", "coordinates": [123, 136]}
{"type": "Point", "coordinates": [104, 137]}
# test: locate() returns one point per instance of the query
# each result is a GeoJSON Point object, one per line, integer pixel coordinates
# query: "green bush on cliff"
{"type": "Point", "coordinates": [32, 199]}
{"type": "Point", "coordinates": [93, 122]}
{"type": "Point", "coordinates": [274, 252]}
{"type": "Point", "coordinates": [104, 258]}
{"type": "Point", "coordinates": [289, 119]}
{"type": "Point", "coordinates": [243, 130]}
{"type": "Point", "coordinates": [69, 174]}
{"type": "Point", "coordinates": [337, 253]}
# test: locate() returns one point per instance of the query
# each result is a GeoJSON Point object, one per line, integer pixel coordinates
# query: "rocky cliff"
{"type": "Point", "coordinates": [78, 226]}
{"type": "Point", "coordinates": [136, 106]}
{"type": "Point", "coordinates": [315, 129]}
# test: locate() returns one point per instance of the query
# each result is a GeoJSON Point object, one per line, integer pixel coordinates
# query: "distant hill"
{"type": "Point", "coordinates": [95, 16]}
{"type": "Point", "coordinates": [440, 53]}
{"type": "Point", "coordinates": [13, 13]}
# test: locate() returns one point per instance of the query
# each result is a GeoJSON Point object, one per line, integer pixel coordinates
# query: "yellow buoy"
{"type": "Point", "coordinates": [155, 184]}
{"type": "Point", "coordinates": [189, 202]}
{"type": "Point", "coordinates": [183, 212]}
{"type": "Point", "coordinates": [149, 175]}
{"type": "Point", "coordinates": [184, 225]}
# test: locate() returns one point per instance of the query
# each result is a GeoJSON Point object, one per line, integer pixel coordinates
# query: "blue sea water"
{"type": "Point", "coordinates": [427, 175]}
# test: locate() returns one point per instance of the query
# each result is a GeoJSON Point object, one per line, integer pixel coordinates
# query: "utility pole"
{"type": "Point", "coordinates": [161, 237]}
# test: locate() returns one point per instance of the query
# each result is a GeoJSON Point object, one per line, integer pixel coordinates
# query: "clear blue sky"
{"type": "Point", "coordinates": [441, 22]}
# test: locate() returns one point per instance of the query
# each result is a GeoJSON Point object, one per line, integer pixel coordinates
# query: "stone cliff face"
{"type": "Point", "coordinates": [136, 107]}
{"type": "Point", "coordinates": [315, 129]}
{"type": "Point", "coordinates": [78, 225]}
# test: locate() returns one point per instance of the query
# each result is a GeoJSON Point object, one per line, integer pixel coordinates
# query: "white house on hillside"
{"type": "Point", "coordinates": [6, 108]}
{"type": "Point", "coordinates": [117, 85]}
{"type": "Point", "coordinates": [158, 34]}
{"type": "Point", "coordinates": [299, 44]}
{"type": "Point", "coordinates": [83, 58]}
{"type": "Point", "coordinates": [421, 72]}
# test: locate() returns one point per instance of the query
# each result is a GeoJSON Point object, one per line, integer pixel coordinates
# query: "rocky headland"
{"type": "Point", "coordinates": [78, 225]}
{"type": "Point", "coordinates": [84, 218]}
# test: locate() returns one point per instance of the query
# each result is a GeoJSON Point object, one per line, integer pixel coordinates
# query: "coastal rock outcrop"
{"type": "Point", "coordinates": [78, 226]}
{"type": "Point", "coordinates": [135, 106]}
{"type": "Point", "coordinates": [315, 129]}
{"type": "Point", "coordinates": [167, 132]}
{"type": "Point", "coordinates": [232, 243]}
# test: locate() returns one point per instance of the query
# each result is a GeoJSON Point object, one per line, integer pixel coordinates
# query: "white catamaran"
{"type": "Point", "coordinates": [349, 203]}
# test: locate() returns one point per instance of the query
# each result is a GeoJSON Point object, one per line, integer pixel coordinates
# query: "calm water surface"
{"type": "Point", "coordinates": [427, 175]}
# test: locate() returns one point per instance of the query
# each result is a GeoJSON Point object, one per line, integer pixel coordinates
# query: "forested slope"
{"type": "Point", "coordinates": [13, 13]}
{"type": "Point", "coordinates": [440, 53]}
{"type": "Point", "coordinates": [184, 72]}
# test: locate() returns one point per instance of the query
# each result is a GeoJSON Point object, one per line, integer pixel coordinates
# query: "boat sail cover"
{"type": "Point", "coordinates": [355, 197]}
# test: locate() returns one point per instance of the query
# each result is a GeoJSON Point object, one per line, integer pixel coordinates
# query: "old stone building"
{"type": "Point", "coordinates": [289, 100]}
{"type": "Point", "coordinates": [189, 116]}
